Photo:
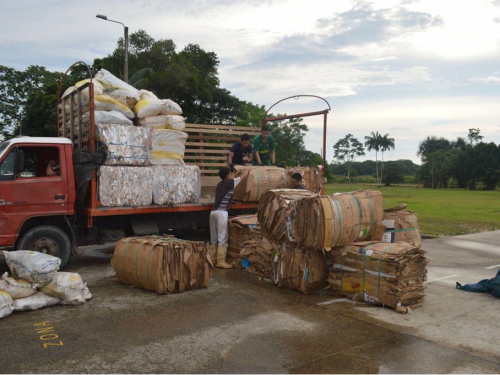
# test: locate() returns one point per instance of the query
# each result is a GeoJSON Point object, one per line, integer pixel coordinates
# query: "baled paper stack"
{"type": "Point", "coordinates": [241, 229]}
{"type": "Point", "coordinates": [257, 254]}
{"type": "Point", "coordinates": [258, 181]}
{"type": "Point", "coordinates": [125, 186]}
{"type": "Point", "coordinates": [312, 178]}
{"type": "Point", "coordinates": [162, 264]}
{"type": "Point", "coordinates": [389, 274]}
{"type": "Point", "coordinates": [401, 226]}
{"type": "Point", "coordinates": [176, 185]}
{"type": "Point", "coordinates": [323, 222]}
{"type": "Point", "coordinates": [276, 212]}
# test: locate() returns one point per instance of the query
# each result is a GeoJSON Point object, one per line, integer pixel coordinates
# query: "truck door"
{"type": "Point", "coordinates": [28, 190]}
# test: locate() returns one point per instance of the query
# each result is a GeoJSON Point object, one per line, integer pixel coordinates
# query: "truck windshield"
{"type": "Point", "coordinates": [3, 146]}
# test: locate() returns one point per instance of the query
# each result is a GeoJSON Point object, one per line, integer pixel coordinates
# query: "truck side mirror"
{"type": "Point", "coordinates": [19, 162]}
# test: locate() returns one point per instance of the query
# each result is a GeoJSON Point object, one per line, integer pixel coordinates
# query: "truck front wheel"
{"type": "Point", "coordinates": [47, 239]}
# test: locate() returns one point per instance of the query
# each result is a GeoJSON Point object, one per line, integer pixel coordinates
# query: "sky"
{"type": "Point", "coordinates": [407, 68]}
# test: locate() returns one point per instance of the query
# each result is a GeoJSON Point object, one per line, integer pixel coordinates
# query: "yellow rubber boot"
{"type": "Point", "coordinates": [221, 257]}
{"type": "Point", "coordinates": [213, 247]}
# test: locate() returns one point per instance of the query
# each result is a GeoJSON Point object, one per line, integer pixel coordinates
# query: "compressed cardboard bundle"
{"type": "Point", "coordinates": [258, 181]}
{"type": "Point", "coordinates": [162, 264]}
{"type": "Point", "coordinates": [401, 226]}
{"type": "Point", "coordinates": [327, 221]}
{"type": "Point", "coordinates": [312, 178]}
{"type": "Point", "coordinates": [125, 186]}
{"type": "Point", "coordinates": [167, 147]}
{"type": "Point", "coordinates": [276, 212]}
{"type": "Point", "coordinates": [389, 274]}
{"type": "Point", "coordinates": [301, 269]}
{"type": "Point", "coordinates": [127, 145]}
{"type": "Point", "coordinates": [176, 185]}
{"type": "Point", "coordinates": [257, 254]}
{"type": "Point", "coordinates": [241, 229]}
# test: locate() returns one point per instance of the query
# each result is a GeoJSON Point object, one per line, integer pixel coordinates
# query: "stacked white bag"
{"type": "Point", "coordinates": [36, 283]}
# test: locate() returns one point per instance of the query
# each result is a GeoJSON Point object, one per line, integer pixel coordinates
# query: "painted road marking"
{"type": "Point", "coordinates": [45, 330]}
{"type": "Point", "coordinates": [490, 267]}
{"type": "Point", "coordinates": [441, 278]}
{"type": "Point", "coordinates": [336, 300]}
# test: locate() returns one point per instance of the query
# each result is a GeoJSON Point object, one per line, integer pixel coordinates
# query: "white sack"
{"type": "Point", "coordinates": [145, 94]}
{"type": "Point", "coordinates": [38, 268]}
{"type": "Point", "coordinates": [176, 122]}
{"type": "Point", "coordinates": [167, 147]}
{"type": "Point", "coordinates": [171, 108]}
{"type": "Point", "coordinates": [98, 89]}
{"type": "Point", "coordinates": [154, 122]}
{"type": "Point", "coordinates": [16, 288]}
{"type": "Point", "coordinates": [5, 304]}
{"type": "Point", "coordinates": [148, 107]}
{"type": "Point", "coordinates": [111, 117]}
{"type": "Point", "coordinates": [107, 103]}
{"type": "Point", "coordinates": [176, 185]}
{"type": "Point", "coordinates": [34, 302]}
{"type": "Point", "coordinates": [111, 83]}
{"type": "Point", "coordinates": [67, 286]}
{"type": "Point", "coordinates": [125, 97]}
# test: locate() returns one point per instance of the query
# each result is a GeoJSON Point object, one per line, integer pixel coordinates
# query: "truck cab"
{"type": "Point", "coordinates": [36, 208]}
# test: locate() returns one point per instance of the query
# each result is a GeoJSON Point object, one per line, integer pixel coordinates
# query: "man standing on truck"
{"type": "Point", "coordinates": [219, 234]}
{"type": "Point", "coordinates": [263, 148]}
{"type": "Point", "coordinates": [241, 151]}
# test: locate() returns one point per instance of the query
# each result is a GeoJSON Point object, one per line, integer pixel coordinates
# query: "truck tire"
{"type": "Point", "coordinates": [47, 239]}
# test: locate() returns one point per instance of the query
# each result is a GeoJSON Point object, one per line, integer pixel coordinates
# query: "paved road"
{"type": "Point", "coordinates": [241, 324]}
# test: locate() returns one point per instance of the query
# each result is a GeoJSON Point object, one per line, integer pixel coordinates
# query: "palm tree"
{"type": "Point", "coordinates": [386, 144]}
{"type": "Point", "coordinates": [373, 143]}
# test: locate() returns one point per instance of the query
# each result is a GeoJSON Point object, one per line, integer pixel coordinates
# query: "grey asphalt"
{"type": "Point", "coordinates": [243, 324]}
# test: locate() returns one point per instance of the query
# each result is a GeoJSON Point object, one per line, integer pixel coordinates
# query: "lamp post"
{"type": "Point", "coordinates": [125, 69]}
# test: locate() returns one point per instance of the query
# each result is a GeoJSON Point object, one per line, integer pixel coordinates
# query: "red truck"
{"type": "Point", "coordinates": [41, 213]}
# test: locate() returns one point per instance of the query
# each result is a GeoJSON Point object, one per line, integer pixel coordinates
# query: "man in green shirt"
{"type": "Point", "coordinates": [263, 148]}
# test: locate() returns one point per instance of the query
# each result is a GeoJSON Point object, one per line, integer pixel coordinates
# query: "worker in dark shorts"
{"type": "Point", "coordinates": [241, 151]}
{"type": "Point", "coordinates": [297, 182]}
{"type": "Point", "coordinates": [263, 148]}
{"type": "Point", "coordinates": [219, 233]}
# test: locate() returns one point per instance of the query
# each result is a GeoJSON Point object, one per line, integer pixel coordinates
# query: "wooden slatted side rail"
{"type": "Point", "coordinates": [207, 146]}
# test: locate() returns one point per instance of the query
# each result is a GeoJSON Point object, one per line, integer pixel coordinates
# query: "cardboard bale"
{"type": "Point", "coordinates": [167, 147]}
{"type": "Point", "coordinates": [162, 264]}
{"type": "Point", "coordinates": [176, 185]}
{"type": "Point", "coordinates": [257, 254]}
{"type": "Point", "coordinates": [401, 226]}
{"type": "Point", "coordinates": [323, 222]}
{"type": "Point", "coordinates": [258, 181]}
{"type": "Point", "coordinates": [125, 186]}
{"type": "Point", "coordinates": [312, 178]}
{"type": "Point", "coordinates": [241, 229]}
{"type": "Point", "coordinates": [276, 212]}
{"type": "Point", "coordinates": [127, 145]}
{"type": "Point", "coordinates": [388, 274]}
{"type": "Point", "coordinates": [300, 269]}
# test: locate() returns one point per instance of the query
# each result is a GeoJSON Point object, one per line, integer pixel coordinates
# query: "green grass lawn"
{"type": "Point", "coordinates": [441, 212]}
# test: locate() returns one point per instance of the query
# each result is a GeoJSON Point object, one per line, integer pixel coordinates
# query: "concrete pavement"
{"type": "Point", "coordinates": [242, 324]}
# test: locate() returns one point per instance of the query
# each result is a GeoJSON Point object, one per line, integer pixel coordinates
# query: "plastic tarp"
{"type": "Point", "coordinates": [85, 163]}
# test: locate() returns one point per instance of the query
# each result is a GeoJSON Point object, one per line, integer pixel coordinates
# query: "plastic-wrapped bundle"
{"type": "Point", "coordinates": [275, 212]}
{"type": "Point", "coordinates": [176, 185]}
{"type": "Point", "coordinates": [167, 147]}
{"type": "Point", "coordinates": [390, 274]}
{"type": "Point", "coordinates": [401, 226]}
{"type": "Point", "coordinates": [257, 254]}
{"type": "Point", "coordinates": [171, 108]}
{"type": "Point", "coordinates": [299, 269]}
{"type": "Point", "coordinates": [312, 178]}
{"type": "Point", "coordinates": [327, 221]}
{"type": "Point", "coordinates": [176, 122]}
{"type": "Point", "coordinates": [241, 229]}
{"type": "Point", "coordinates": [162, 264]}
{"type": "Point", "coordinates": [127, 145]}
{"type": "Point", "coordinates": [69, 287]}
{"type": "Point", "coordinates": [107, 103]}
{"type": "Point", "coordinates": [258, 181]}
{"type": "Point", "coordinates": [112, 83]}
{"type": "Point", "coordinates": [154, 122]}
{"type": "Point", "coordinates": [16, 288]}
{"type": "Point", "coordinates": [125, 186]}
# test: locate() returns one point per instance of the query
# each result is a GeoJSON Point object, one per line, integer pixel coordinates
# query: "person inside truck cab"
{"type": "Point", "coordinates": [53, 168]}
{"type": "Point", "coordinates": [263, 148]}
{"type": "Point", "coordinates": [241, 151]}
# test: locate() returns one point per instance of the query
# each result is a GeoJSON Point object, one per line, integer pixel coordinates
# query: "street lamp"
{"type": "Point", "coordinates": [125, 69]}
